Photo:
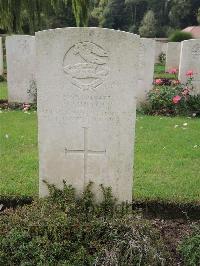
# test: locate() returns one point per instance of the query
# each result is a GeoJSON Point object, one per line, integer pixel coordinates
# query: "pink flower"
{"type": "Point", "coordinates": [158, 81]}
{"type": "Point", "coordinates": [176, 99]}
{"type": "Point", "coordinates": [175, 82]}
{"type": "Point", "coordinates": [185, 91]}
{"type": "Point", "coordinates": [173, 71]}
{"type": "Point", "coordinates": [26, 106]}
{"type": "Point", "coordinates": [189, 73]}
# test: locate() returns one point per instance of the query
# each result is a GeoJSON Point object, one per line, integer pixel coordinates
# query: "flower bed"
{"type": "Point", "coordinates": [171, 97]}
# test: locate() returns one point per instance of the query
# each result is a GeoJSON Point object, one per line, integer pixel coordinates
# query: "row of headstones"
{"type": "Point", "coordinates": [87, 86]}
{"type": "Point", "coordinates": [21, 68]}
{"type": "Point", "coordinates": [185, 56]}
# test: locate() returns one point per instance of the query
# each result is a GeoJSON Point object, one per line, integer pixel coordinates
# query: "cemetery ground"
{"type": "Point", "coordinates": [166, 169]}
{"type": "Point", "coordinates": [167, 155]}
{"type": "Point", "coordinates": [167, 152]}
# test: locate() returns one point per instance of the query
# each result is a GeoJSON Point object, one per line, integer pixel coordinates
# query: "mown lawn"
{"type": "Point", "coordinates": [167, 157]}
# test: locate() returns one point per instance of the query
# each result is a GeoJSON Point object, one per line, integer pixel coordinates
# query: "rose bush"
{"type": "Point", "coordinates": [171, 97]}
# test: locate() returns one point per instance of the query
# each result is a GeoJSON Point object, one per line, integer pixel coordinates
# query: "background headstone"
{"type": "Point", "coordinates": [146, 68]}
{"type": "Point", "coordinates": [1, 57]}
{"type": "Point", "coordinates": [173, 55]}
{"type": "Point", "coordinates": [20, 55]}
{"type": "Point", "coordinates": [160, 47]}
{"type": "Point", "coordinates": [190, 60]}
{"type": "Point", "coordinates": [87, 80]}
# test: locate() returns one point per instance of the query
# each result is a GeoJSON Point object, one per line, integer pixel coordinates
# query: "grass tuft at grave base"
{"type": "Point", "coordinates": [167, 157]}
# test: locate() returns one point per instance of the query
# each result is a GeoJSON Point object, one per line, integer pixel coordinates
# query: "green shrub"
{"type": "Point", "coordinates": [170, 97]}
{"type": "Point", "coordinates": [190, 248]}
{"type": "Point", "coordinates": [2, 78]}
{"type": "Point", "coordinates": [179, 36]}
{"type": "Point", "coordinates": [162, 58]}
{"type": "Point", "coordinates": [66, 230]}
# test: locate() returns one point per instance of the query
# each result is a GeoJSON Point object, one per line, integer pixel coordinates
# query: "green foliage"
{"type": "Point", "coordinates": [162, 58]}
{"type": "Point", "coordinates": [149, 25]}
{"type": "Point", "coordinates": [30, 16]}
{"type": "Point", "coordinates": [190, 248]}
{"type": "Point", "coordinates": [172, 99]}
{"type": "Point", "coordinates": [179, 36]}
{"type": "Point", "coordinates": [66, 230]}
{"type": "Point", "coordinates": [81, 12]}
{"type": "Point", "coordinates": [2, 78]}
{"type": "Point", "coordinates": [198, 16]}
{"type": "Point", "coordinates": [114, 15]}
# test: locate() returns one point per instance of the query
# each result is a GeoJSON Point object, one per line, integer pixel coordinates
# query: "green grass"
{"type": "Point", "coordinates": [167, 162]}
{"type": "Point", "coordinates": [159, 72]}
{"type": "Point", "coordinates": [18, 153]}
{"type": "Point", "coordinates": [3, 91]}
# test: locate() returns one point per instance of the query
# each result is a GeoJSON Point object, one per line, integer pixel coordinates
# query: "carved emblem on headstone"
{"type": "Point", "coordinates": [196, 50]}
{"type": "Point", "coordinates": [86, 65]}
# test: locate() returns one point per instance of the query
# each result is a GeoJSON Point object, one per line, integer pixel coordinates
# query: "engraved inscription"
{"type": "Point", "coordinates": [196, 50]}
{"type": "Point", "coordinates": [86, 65]}
{"type": "Point", "coordinates": [86, 151]}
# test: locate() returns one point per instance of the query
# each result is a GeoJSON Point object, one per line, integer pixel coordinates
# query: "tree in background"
{"type": "Point", "coordinates": [114, 16]}
{"type": "Point", "coordinates": [97, 14]}
{"type": "Point", "coordinates": [81, 12]}
{"type": "Point", "coordinates": [29, 16]}
{"type": "Point", "coordinates": [136, 8]}
{"type": "Point", "coordinates": [198, 16]}
{"type": "Point", "coordinates": [149, 25]}
{"type": "Point", "coordinates": [183, 13]}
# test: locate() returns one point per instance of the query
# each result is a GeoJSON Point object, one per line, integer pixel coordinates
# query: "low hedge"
{"type": "Point", "coordinates": [65, 230]}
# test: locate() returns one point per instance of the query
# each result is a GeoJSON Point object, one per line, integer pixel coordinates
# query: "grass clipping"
{"type": "Point", "coordinates": [65, 230]}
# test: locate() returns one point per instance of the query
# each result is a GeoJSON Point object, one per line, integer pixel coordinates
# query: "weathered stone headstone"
{"type": "Point", "coordinates": [146, 68]}
{"type": "Point", "coordinates": [173, 55]}
{"type": "Point", "coordinates": [87, 80]}
{"type": "Point", "coordinates": [190, 60]}
{"type": "Point", "coordinates": [161, 47]}
{"type": "Point", "coordinates": [20, 55]}
{"type": "Point", "coordinates": [1, 57]}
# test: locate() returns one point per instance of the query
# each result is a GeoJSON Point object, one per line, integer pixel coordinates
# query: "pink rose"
{"type": "Point", "coordinates": [175, 82]}
{"type": "Point", "coordinates": [189, 73]}
{"type": "Point", "coordinates": [185, 91]}
{"type": "Point", "coordinates": [176, 99]}
{"type": "Point", "coordinates": [173, 71]}
{"type": "Point", "coordinates": [158, 81]}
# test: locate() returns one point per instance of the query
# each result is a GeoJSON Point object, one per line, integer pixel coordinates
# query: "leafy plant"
{"type": "Point", "coordinates": [179, 36]}
{"type": "Point", "coordinates": [64, 229]}
{"type": "Point", "coordinates": [162, 57]}
{"type": "Point", "coordinates": [170, 97]}
{"type": "Point", "coordinates": [190, 248]}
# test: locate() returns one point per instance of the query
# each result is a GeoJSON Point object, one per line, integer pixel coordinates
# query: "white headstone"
{"type": "Point", "coordinates": [1, 57]}
{"type": "Point", "coordinates": [161, 47]}
{"type": "Point", "coordinates": [173, 55]}
{"type": "Point", "coordinates": [190, 60]}
{"type": "Point", "coordinates": [146, 68]}
{"type": "Point", "coordinates": [20, 56]}
{"type": "Point", "coordinates": [87, 78]}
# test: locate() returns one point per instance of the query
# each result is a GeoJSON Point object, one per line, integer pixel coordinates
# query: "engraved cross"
{"type": "Point", "coordinates": [86, 151]}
